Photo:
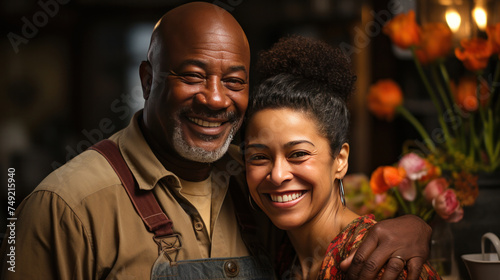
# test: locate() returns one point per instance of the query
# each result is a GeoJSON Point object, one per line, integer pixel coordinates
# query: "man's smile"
{"type": "Point", "coordinates": [205, 123]}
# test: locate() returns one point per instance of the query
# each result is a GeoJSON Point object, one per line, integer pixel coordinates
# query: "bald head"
{"type": "Point", "coordinates": [195, 83]}
{"type": "Point", "coordinates": [192, 20]}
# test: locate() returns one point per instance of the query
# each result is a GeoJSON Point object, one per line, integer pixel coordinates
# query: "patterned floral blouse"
{"type": "Point", "coordinates": [350, 238]}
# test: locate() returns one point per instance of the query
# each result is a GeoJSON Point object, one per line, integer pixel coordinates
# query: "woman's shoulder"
{"type": "Point", "coordinates": [354, 232]}
{"type": "Point", "coordinates": [343, 244]}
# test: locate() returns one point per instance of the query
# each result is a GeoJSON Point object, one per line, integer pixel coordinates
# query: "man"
{"type": "Point", "coordinates": [80, 223]}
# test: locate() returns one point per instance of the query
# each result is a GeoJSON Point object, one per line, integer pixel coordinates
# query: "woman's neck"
{"type": "Point", "coordinates": [312, 239]}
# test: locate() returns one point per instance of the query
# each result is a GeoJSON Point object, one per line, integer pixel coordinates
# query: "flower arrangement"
{"type": "Point", "coordinates": [420, 188]}
{"type": "Point", "coordinates": [440, 176]}
{"type": "Point", "coordinates": [360, 198]}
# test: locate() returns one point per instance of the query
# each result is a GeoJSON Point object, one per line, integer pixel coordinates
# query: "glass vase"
{"type": "Point", "coordinates": [442, 257]}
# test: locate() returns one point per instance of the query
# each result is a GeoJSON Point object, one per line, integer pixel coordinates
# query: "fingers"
{"type": "Point", "coordinates": [377, 259]}
{"type": "Point", "coordinates": [394, 267]}
{"type": "Point", "coordinates": [414, 266]}
{"type": "Point", "coordinates": [359, 259]}
{"type": "Point", "coordinates": [345, 264]}
{"type": "Point", "coordinates": [406, 236]}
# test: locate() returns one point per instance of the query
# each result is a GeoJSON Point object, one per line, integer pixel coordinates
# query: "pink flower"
{"type": "Point", "coordinates": [456, 216]}
{"type": "Point", "coordinates": [414, 166]}
{"type": "Point", "coordinates": [447, 206]}
{"type": "Point", "coordinates": [435, 188]}
{"type": "Point", "coordinates": [408, 189]}
{"type": "Point", "coordinates": [380, 198]}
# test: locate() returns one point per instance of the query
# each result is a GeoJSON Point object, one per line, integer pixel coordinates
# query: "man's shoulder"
{"type": "Point", "coordinates": [82, 176]}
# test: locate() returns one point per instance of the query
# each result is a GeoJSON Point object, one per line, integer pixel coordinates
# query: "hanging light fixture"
{"type": "Point", "coordinates": [455, 13]}
{"type": "Point", "coordinates": [466, 18]}
{"type": "Point", "coordinates": [453, 19]}
{"type": "Point", "coordinates": [480, 17]}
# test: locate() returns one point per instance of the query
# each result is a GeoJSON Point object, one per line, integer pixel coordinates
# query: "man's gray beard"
{"type": "Point", "coordinates": [199, 154]}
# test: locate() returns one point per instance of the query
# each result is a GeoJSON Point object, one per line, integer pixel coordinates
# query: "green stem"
{"type": "Point", "coordinates": [489, 136]}
{"type": "Point", "coordinates": [473, 142]}
{"type": "Point", "coordinates": [413, 210]}
{"type": "Point", "coordinates": [428, 215]}
{"type": "Point", "coordinates": [459, 128]}
{"type": "Point", "coordinates": [427, 140]}
{"type": "Point", "coordinates": [445, 99]}
{"type": "Point", "coordinates": [400, 200]}
{"type": "Point", "coordinates": [433, 98]}
{"type": "Point", "coordinates": [446, 79]}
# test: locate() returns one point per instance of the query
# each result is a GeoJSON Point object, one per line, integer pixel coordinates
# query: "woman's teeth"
{"type": "Point", "coordinates": [286, 197]}
{"type": "Point", "coordinates": [203, 123]}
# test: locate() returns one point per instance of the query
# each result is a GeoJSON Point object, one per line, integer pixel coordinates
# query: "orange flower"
{"type": "Point", "coordinates": [403, 30]}
{"type": "Point", "coordinates": [476, 53]}
{"type": "Point", "coordinates": [383, 98]}
{"type": "Point", "coordinates": [433, 171]}
{"type": "Point", "coordinates": [386, 177]}
{"type": "Point", "coordinates": [466, 187]}
{"type": "Point", "coordinates": [436, 42]}
{"type": "Point", "coordinates": [466, 96]}
{"type": "Point", "coordinates": [493, 32]}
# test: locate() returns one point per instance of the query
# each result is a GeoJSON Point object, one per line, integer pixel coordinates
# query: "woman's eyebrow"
{"type": "Point", "coordinates": [256, 146]}
{"type": "Point", "coordinates": [297, 142]}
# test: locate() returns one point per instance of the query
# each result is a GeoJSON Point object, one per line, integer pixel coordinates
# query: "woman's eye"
{"type": "Point", "coordinates": [256, 158]}
{"type": "Point", "coordinates": [299, 154]}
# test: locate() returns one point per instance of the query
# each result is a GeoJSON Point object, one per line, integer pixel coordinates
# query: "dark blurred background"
{"type": "Point", "coordinates": [70, 77]}
{"type": "Point", "coordinates": [70, 71]}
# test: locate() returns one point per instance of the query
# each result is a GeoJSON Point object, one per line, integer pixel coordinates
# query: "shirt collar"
{"type": "Point", "coordinates": [141, 160]}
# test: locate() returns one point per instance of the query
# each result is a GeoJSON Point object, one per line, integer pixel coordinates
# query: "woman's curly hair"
{"type": "Point", "coordinates": [309, 76]}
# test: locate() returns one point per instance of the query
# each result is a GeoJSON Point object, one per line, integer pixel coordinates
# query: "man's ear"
{"type": "Point", "coordinates": [146, 75]}
{"type": "Point", "coordinates": [342, 160]}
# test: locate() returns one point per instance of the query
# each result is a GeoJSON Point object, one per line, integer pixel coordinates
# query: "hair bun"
{"type": "Point", "coordinates": [310, 59]}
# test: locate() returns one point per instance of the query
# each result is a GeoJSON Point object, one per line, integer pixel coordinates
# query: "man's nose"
{"type": "Point", "coordinates": [280, 172]}
{"type": "Point", "coordinates": [214, 95]}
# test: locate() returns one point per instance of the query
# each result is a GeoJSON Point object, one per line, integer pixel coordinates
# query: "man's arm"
{"type": "Point", "coordinates": [50, 242]}
{"type": "Point", "coordinates": [407, 236]}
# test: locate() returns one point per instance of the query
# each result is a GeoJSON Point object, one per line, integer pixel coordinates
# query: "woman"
{"type": "Point", "coordinates": [296, 154]}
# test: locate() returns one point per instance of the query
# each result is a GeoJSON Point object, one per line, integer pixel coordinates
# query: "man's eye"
{"type": "Point", "coordinates": [192, 78]}
{"type": "Point", "coordinates": [234, 84]}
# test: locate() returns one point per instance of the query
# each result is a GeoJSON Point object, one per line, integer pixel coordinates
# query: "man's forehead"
{"type": "Point", "coordinates": [202, 29]}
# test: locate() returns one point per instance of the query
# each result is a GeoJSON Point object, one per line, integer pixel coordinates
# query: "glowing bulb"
{"type": "Point", "coordinates": [453, 19]}
{"type": "Point", "coordinates": [480, 17]}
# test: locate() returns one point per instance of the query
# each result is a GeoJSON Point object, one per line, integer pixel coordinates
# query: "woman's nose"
{"type": "Point", "coordinates": [280, 172]}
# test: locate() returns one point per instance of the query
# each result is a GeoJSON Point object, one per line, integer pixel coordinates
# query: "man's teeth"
{"type": "Point", "coordinates": [286, 197]}
{"type": "Point", "coordinates": [205, 123]}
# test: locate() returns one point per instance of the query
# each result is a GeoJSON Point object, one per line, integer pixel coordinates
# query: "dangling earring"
{"type": "Point", "coordinates": [251, 204]}
{"type": "Point", "coordinates": [342, 195]}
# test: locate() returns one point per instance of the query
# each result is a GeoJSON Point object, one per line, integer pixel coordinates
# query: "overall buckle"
{"type": "Point", "coordinates": [168, 245]}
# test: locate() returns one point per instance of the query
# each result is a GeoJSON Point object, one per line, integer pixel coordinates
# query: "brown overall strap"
{"type": "Point", "coordinates": [144, 201]}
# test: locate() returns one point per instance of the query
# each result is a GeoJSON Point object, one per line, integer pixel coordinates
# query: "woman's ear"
{"type": "Point", "coordinates": [342, 161]}
{"type": "Point", "coordinates": [146, 75]}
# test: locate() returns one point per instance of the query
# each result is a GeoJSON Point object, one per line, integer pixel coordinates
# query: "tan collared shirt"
{"type": "Point", "coordinates": [199, 195]}
{"type": "Point", "coordinates": [79, 223]}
